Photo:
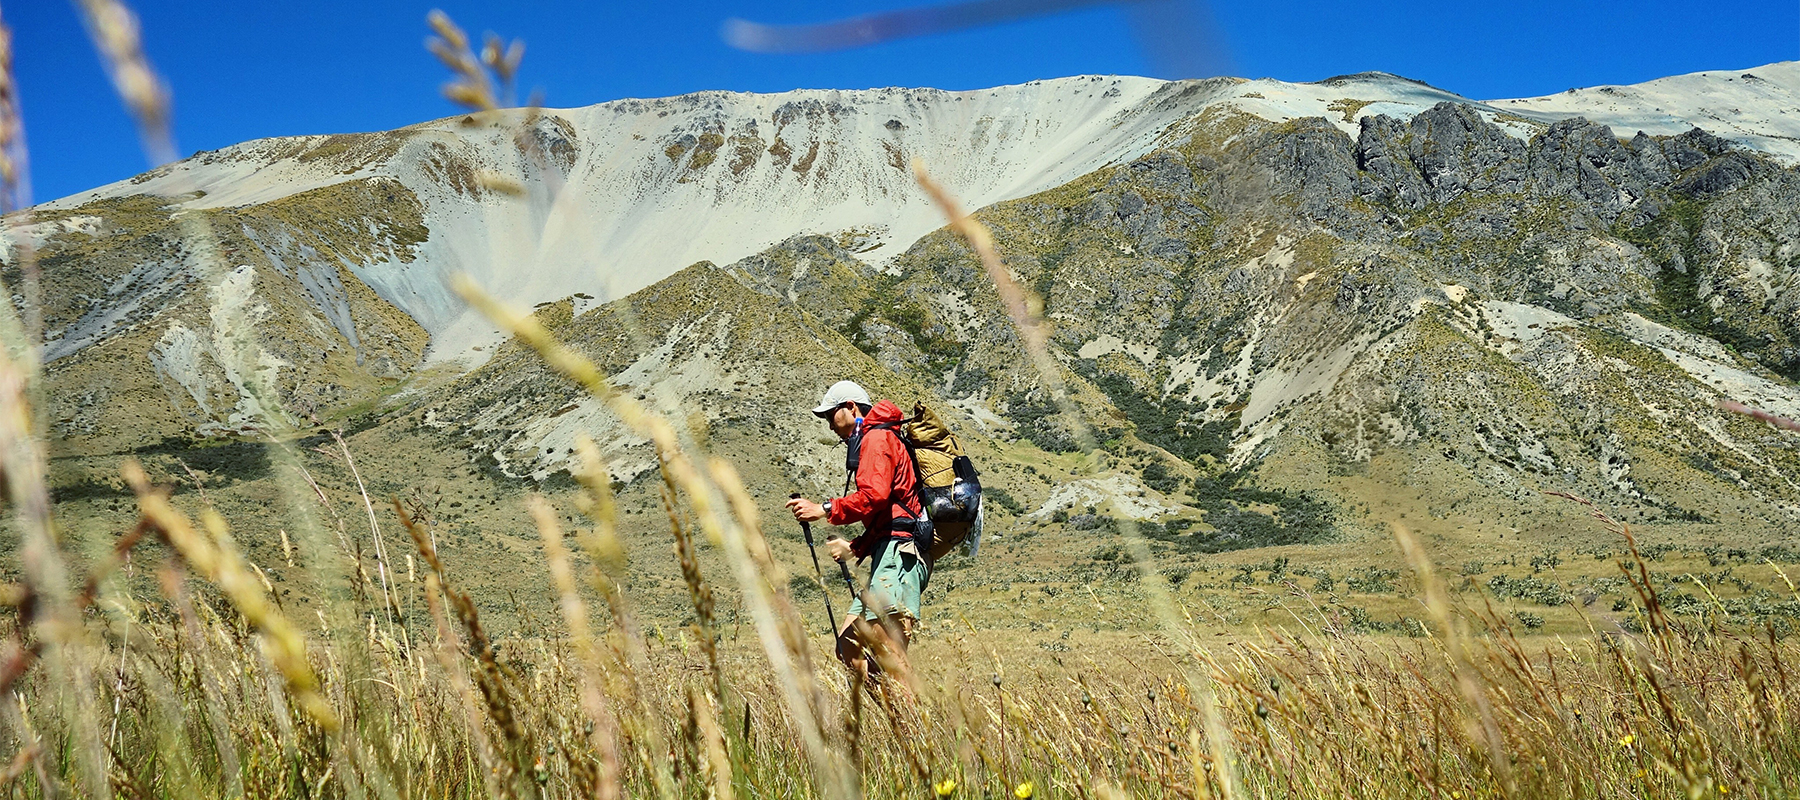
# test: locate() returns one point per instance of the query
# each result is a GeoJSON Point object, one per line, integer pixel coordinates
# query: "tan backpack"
{"type": "Point", "coordinates": [949, 486]}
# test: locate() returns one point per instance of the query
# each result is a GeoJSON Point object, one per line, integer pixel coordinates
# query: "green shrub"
{"type": "Point", "coordinates": [1370, 580]}
{"type": "Point", "coordinates": [1536, 590]}
{"type": "Point", "coordinates": [1001, 498]}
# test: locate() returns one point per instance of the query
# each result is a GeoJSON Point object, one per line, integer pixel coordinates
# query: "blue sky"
{"type": "Point", "coordinates": [243, 70]}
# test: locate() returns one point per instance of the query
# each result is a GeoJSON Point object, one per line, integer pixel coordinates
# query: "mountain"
{"type": "Point", "coordinates": [598, 202]}
{"type": "Point", "coordinates": [608, 199]}
{"type": "Point", "coordinates": [1291, 312]}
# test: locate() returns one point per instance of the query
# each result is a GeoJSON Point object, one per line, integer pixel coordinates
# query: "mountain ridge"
{"type": "Point", "coordinates": [702, 165]}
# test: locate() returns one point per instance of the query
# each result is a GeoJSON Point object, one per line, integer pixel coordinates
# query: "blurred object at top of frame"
{"type": "Point", "coordinates": [1179, 37]}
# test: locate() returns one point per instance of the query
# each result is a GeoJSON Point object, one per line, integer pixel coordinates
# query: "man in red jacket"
{"type": "Point", "coordinates": [886, 502]}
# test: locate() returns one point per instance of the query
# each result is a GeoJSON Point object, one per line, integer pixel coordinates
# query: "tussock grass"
{"type": "Point", "coordinates": [207, 690]}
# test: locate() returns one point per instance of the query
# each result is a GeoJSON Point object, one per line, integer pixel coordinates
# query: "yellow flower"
{"type": "Point", "coordinates": [946, 787]}
{"type": "Point", "coordinates": [1627, 740]}
{"type": "Point", "coordinates": [1721, 788]}
{"type": "Point", "coordinates": [1023, 791]}
{"type": "Point", "coordinates": [1455, 795]}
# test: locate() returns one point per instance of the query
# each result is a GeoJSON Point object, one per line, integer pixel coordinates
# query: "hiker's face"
{"type": "Point", "coordinates": [842, 421]}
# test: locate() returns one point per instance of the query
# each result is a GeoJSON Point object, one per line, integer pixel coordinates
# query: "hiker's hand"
{"type": "Point", "coordinates": [838, 548]}
{"type": "Point", "coordinates": [806, 510]}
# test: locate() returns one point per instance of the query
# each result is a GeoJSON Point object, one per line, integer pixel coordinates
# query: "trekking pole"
{"type": "Point", "coordinates": [806, 528]}
{"type": "Point", "coordinates": [849, 582]}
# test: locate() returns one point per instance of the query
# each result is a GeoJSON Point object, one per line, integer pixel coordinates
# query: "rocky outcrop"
{"type": "Point", "coordinates": [1457, 152]}
{"type": "Point", "coordinates": [1382, 154]}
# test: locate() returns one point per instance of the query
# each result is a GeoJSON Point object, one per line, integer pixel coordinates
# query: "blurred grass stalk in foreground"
{"type": "Point", "coordinates": [208, 687]}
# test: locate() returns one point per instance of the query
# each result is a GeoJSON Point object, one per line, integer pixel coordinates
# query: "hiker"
{"type": "Point", "coordinates": [886, 502]}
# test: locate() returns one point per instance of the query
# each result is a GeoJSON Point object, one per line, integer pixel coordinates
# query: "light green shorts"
{"type": "Point", "coordinates": [896, 580]}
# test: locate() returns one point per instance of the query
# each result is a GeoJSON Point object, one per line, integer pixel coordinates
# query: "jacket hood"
{"type": "Point", "coordinates": [883, 413]}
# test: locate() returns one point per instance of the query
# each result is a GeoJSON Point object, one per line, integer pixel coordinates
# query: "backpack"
{"type": "Point", "coordinates": [948, 487]}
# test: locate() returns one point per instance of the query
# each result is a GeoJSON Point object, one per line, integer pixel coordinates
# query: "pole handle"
{"type": "Point", "coordinates": [805, 527]}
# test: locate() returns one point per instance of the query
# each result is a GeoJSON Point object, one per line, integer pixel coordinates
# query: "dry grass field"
{"type": "Point", "coordinates": [208, 686]}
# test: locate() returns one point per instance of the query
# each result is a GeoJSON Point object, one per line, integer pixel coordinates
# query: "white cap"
{"type": "Point", "coordinates": [840, 393]}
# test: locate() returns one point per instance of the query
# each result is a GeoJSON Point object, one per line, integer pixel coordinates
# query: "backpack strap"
{"type": "Point", "coordinates": [853, 459]}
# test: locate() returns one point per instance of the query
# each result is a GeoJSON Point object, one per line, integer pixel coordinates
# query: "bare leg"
{"type": "Point", "coordinates": [869, 649]}
{"type": "Point", "coordinates": [853, 649]}
{"type": "Point", "coordinates": [884, 648]}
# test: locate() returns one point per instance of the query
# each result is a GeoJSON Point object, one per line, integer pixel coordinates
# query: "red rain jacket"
{"type": "Point", "coordinates": [885, 483]}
